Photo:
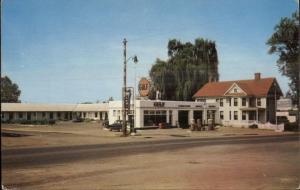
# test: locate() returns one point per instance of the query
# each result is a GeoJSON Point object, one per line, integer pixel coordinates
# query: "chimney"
{"type": "Point", "coordinates": [257, 76]}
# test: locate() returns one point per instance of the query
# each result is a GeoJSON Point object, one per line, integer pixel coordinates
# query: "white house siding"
{"type": "Point", "coordinates": [229, 108]}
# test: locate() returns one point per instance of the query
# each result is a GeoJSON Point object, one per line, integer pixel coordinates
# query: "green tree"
{"type": "Point", "coordinates": [188, 68]}
{"type": "Point", "coordinates": [285, 43]}
{"type": "Point", "coordinates": [9, 91]}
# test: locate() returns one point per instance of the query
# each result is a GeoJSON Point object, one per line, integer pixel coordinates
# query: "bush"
{"type": "Point", "coordinates": [291, 126]}
{"type": "Point", "coordinates": [253, 126]}
{"type": "Point", "coordinates": [52, 122]}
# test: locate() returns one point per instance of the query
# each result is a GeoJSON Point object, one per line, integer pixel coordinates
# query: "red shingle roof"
{"type": "Point", "coordinates": [253, 87]}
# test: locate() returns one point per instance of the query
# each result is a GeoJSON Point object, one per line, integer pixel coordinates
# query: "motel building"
{"type": "Point", "coordinates": [64, 112]}
{"type": "Point", "coordinates": [242, 102]}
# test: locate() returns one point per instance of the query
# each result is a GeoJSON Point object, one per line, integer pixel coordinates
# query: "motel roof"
{"type": "Point", "coordinates": [33, 107]}
{"type": "Point", "coordinates": [255, 87]}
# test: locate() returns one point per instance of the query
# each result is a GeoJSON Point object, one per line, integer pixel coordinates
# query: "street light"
{"type": "Point", "coordinates": [125, 105]}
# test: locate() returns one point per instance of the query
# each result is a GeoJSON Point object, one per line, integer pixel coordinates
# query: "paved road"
{"type": "Point", "coordinates": [28, 157]}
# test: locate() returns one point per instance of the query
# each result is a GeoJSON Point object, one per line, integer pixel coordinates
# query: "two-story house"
{"type": "Point", "coordinates": [242, 102]}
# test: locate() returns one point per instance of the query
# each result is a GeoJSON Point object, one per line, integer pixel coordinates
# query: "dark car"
{"type": "Point", "coordinates": [116, 126]}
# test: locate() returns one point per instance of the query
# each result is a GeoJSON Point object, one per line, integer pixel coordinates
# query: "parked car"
{"type": "Point", "coordinates": [116, 126]}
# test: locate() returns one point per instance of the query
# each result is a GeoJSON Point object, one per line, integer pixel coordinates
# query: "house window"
{"type": "Point", "coordinates": [229, 115]}
{"type": "Point", "coordinates": [201, 100]}
{"type": "Point", "coordinates": [243, 115]}
{"type": "Point", "coordinates": [84, 114]}
{"type": "Point", "coordinates": [235, 90]}
{"type": "Point", "coordinates": [229, 101]}
{"type": "Point", "coordinates": [244, 102]}
{"type": "Point", "coordinates": [51, 115]}
{"type": "Point", "coordinates": [43, 114]}
{"type": "Point", "coordinates": [21, 115]}
{"type": "Point", "coordinates": [221, 102]}
{"type": "Point", "coordinates": [235, 102]}
{"type": "Point", "coordinates": [58, 114]}
{"type": "Point", "coordinates": [235, 115]}
{"type": "Point", "coordinates": [96, 114]}
{"type": "Point", "coordinates": [221, 115]}
{"type": "Point", "coordinates": [258, 101]}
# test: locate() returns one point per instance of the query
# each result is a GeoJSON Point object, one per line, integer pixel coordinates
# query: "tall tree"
{"type": "Point", "coordinates": [187, 69]}
{"type": "Point", "coordinates": [9, 91]}
{"type": "Point", "coordinates": [285, 43]}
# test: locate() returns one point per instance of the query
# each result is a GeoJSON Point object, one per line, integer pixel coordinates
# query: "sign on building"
{"type": "Point", "coordinates": [144, 87]}
{"type": "Point", "coordinates": [284, 104]}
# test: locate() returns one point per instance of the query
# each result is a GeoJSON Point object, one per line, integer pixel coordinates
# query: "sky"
{"type": "Point", "coordinates": [71, 51]}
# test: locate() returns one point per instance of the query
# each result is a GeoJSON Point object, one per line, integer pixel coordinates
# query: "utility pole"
{"type": "Point", "coordinates": [124, 109]}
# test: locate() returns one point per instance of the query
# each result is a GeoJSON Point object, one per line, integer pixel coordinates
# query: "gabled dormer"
{"type": "Point", "coordinates": [235, 90]}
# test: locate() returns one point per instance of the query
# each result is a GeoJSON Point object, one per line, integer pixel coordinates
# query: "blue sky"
{"type": "Point", "coordinates": [70, 51]}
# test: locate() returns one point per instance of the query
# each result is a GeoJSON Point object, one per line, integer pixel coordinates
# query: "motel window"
{"type": "Point", "coordinates": [20, 115]}
{"type": "Point", "coordinates": [244, 102]}
{"type": "Point", "coordinates": [243, 115]}
{"type": "Point", "coordinates": [221, 115]}
{"type": "Point", "coordinates": [221, 102]}
{"type": "Point", "coordinates": [96, 114]}
{"type": "Point", "coordinates": [229, 115]}
{"type": "Point", "coordinates": [258, 101]}
{"type": "Point", "coordinates": [235, 115]}
{"type": "Point", "coordinates": [235, 102]}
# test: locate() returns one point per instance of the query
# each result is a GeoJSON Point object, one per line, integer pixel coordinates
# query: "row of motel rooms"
{"type": "Point", "coordinates": [230, 103]}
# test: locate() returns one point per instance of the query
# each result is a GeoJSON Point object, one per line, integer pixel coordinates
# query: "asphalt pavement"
{"type": "Point", "coordinates": [28, 157]}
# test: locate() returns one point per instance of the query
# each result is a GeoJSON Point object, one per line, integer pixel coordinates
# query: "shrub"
{"type": "Point", "coordinates": [291, 127]}
{"type": "Point", "coordinates": [52, 122]}
{"type": "Point", "coordinates": [253, 126]}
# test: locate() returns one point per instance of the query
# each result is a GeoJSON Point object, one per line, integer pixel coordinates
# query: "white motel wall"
{"type": "Point", "coordinates": [31, 111]}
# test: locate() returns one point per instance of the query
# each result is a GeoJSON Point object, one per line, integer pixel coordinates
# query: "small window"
{"type": "Point", "coordinates": [44, 114]}
{"type": "Point", "coordinates": [20, 115]}
{"type": "Point", "coordinates": [229, 101]}
{"type": "Point", "coordinates": [229, 115]}
{"type": "Point", "coordinates": [235, 115]}
{"type": "Point", "coordinates": [221, 102]}
{"type": "Point", "coordinates": [96, 114]}
{"type": "Point", "coordinates": [84, 114]}
{"type": "Point", "coordinates": [58, 114]}
{"type": "Point", "coordinates": [244, 102]}
{"type": "Point", "coordinates": [221, 115]}
{"type": "Point", "coordinates": [243, 115]}
{"type": "Point", "coordinates": [235, 90]}
{"type": "Point", "coordinates": [235, 102]}
{"type": "Point", "coordinates": [258, 102]}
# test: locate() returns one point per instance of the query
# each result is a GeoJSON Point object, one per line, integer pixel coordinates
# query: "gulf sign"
{"type": "Point", "coordinates": [144, 87]}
